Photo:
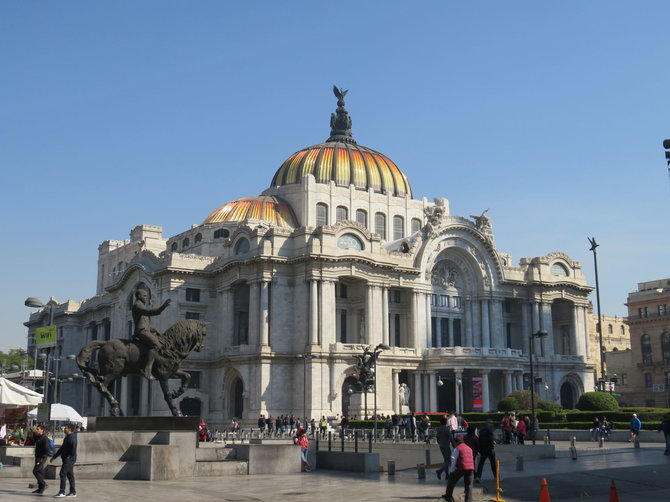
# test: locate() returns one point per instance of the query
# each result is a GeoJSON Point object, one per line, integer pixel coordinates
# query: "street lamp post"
{"type": "Point", "coordinates": [305, 358]}
{"type": "Point", "coordinates": [594, 245]}
{"type": "Point", "coordinates": [378, 350]}
{"type": "Point", "coordinates": [77, 376]}
{"type": "Point", "coordinates": [532, 337]}
{"type": "Point", "coordinates": [57, 361]}
{"type": "Point", "coordinates": [33, 302]}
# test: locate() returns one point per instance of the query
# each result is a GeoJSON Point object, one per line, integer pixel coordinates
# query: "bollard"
{"type": "Point", "coordinates": [636, 444]}
{"type": "Point", "coordinates": [421, 471]}
{"type": "Point", "coordinates": [601, 442]}
{"type": "Point", "coordinates": [573, 440]}
{"type": "Point", "coordinates": [499, 490]}
{"type": "Point", "coordinates": [342, 441]}
{"type": "Point", "coordinates": [548, 436]}
{"type": "Point", "coordinates": [573, 452]}
{"type": "Point", "coordinates": [390, 467]}
{"type": "Point", "coordinates": [330, 441]}
{"type": "Point", "coordinates": [519, 463]}
{"type": "Point", "coordinates": [427, 457]}
{"type": "Point", "coordinates": [369, 442]}
{"type": "Point", "coordinates": [356, 442]}
{"type": "Point", "coordinates": [546, 440]}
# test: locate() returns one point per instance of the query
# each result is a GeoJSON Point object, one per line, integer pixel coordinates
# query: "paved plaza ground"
{"type": "Point", "coordinates": [641, 475]}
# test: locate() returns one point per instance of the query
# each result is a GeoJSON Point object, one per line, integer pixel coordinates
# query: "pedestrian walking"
{"type": "Point", "coordinates": [665, 427]}
{"type": "Point", "coordinates": [635, 426]}
{"type": "Point", "coordinates": [68, 454]}
{"type": "Point", "coordinates": [486, 450]}
{"type": "Point", "coordinates": [42, 451]}
{"type": "Point", "coordinates": [462, 466]}
{"type": "Point", "coordinates": [445, 440]}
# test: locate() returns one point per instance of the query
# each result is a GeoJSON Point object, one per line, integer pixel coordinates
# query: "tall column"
{"type": "Point", "coordinates": [467, 329]}
{"type": "Point", "coordinates": [486, 405]}
{"type": "Point", "coordinates": [429, 337]}
{"type": "Point", "coordinates": [497, 325]}
{"type": "Point", "coordinates": [508, 382]}
{"type": "Point", "coordinates": [535, 309]}
{"type": "Point", "coordinates": [458, 391]}
{"type": "Point", "coordinates": [525, 325]}
{"type": "Point", "coordinates": [369, 309]}
{"type": "Point", "coordinates": [313, 312]}
{"type": "Point", "coordinates": [418, 392]}
{"type": "Point", "coordinates": [385, 316]}
{"type": "Point", "coordinates": [254, 314]}
{"type": "Point", "coordinates": [396, 386]}
{"type": "Point", "coordinates": [486, 332]}
{"type": "Point", "coordinates": [519, 380]}
{"type": "Point", "coordinates": [264, 310]}
{"type": "Point", "coordinates": [327, 313]}
{"type": "Point", "coordinates": [547, 325]}
{"type": "Point", "coordinates": [228, 318]}
{"type": "Point", "coordinates": [587, 339]}
{"type": "Point", "coordinates": [432, 382]}
{"type": "Point", "coordinates": [414, 320]}
{"type": "Point", "coordinates": [576, 333]}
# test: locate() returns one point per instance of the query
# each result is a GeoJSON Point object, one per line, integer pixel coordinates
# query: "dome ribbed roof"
{"type": "Point", "coordinates": [343, 161]}
{"type": "Point", "coordinates": [261, 207]}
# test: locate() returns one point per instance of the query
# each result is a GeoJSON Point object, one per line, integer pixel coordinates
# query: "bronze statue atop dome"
{"type": "Point", "coordinates": [340, 121]}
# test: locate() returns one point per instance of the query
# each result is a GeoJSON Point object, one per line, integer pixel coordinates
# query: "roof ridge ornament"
{"type": "Point", "coordinates": [340, 121]}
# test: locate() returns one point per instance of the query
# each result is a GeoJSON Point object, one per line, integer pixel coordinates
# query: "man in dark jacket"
{"type": "Point", "coordinates": [486, 450]}
{"type": "Point", "coordinates": [445, 440]}
{"type": "Point", "coordinates": [68, 453]}
{"type": "Point", "coordinates": [42, 448]}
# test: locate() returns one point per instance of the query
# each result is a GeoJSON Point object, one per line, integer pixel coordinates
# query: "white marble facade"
{"type": "Point", "coordinates": [289, 305]}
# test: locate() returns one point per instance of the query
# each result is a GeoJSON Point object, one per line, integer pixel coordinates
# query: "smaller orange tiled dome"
{"type": "Point", "coordinates": [261, 207]}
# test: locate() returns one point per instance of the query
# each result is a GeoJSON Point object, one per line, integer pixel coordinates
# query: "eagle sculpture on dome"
{"type": "Point", "coordinates": [339, 94]}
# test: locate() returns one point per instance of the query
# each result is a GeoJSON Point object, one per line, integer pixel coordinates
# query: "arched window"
{"type": "Point", "coordinates": [185, 243]}
{"type": "Point", "coordinates": [341, 213]}
{"type": "Point", "coordinates": [173, 247]}
{"type": "Point", "coordinates": [645, 346]}
{"type": "Point", "coordinates": [416, 225]}
{"type": "Point", "coordinates": [380, 224]}
{"type": "Point", "coordinates": [622, 329]}
{"type": "Point", "coordinates": [665, 347]}
{"type": "Point", "coordinates": [321, 214]}
{"type": "Point", "coordinates": [242, 246]}
{"type": "Point", "coordinates": [398, 227]}
{"type": "Point", "coordinates": [198, 237]}
{"type": "Point", "coordinates": [362, 217]}
{"type": "Point", "coordinates": [221, 233]}
{"type": "Point", "coordinates": [610, 330]}
{"type": "Point", "coordinates": [559, 270]}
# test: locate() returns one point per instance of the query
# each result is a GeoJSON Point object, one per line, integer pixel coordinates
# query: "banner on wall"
{"type": "Point", "coordinates": [477, 401]}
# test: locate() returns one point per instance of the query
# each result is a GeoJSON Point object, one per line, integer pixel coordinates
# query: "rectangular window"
{"type": "Point", "coordinates": [444, 301]}
{"type": "Point", "coordinates": [241, 328]}
{"type": "Point", "coordinates": [397, 330]}
{"type": "Point", "coordinates": [433, 300]}
{"type": "Point", "coordinates": [663, 309]}
{"type": "Point", "coordinates": [508, 332]}
{"type": "Point", "coordinates": [193, 315]}
{"type": "Point", "coordinates": [396, 296]}
{"type": "Point", "coordinates": [457, 302]}
{"type": "Point", "coordinates": [508, 306]}
{"type": "Point", "coordinates": [192, 295]}
{"type": "Point", "coordinates": [194, 382]}
{"type": "Point", "coordinates": [643, 312]}
{"type": "Point", "coordinates": [444, 331]}
{"type": "Point", "coordinates": [624, 378]}
{"type": "Point", "coordinates": [343, 291]}
{"type": "Point", "coordinates": [343, 326]}
{"type": "Point", "coordinates": [647, 380]}
{"type": "Point", "coordinates": [457, 333]}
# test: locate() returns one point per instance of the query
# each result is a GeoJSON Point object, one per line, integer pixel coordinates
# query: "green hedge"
{"type": "Point", "coordinates": [597, 401]}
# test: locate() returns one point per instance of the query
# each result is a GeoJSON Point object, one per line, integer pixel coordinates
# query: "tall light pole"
{"type": "Point", "coordinates": [594, 245]}
{"type": "Point", "coordinates": [305, 358]}
{"type": "Point", "coordinates": [531, 338]}
{"type": "Point", "coordinates": [33, 302]}
{"type": "Point", "coordinates": [57, 360]}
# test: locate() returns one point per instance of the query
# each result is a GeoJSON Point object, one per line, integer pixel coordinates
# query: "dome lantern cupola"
{"type": "Point", "coordinates": [342, 160]}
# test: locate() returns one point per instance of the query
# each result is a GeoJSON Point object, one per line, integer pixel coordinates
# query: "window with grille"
{"type": "Point", "coordinates": [321, 214]}
{"type": "Point", "coordinates": [380, 225]}
{"type": "Point", "coordinates": [398, 227]}
{"type": "Point", "coordinates": [362, 217]}
{"type": "Point", "coordinates": [416, 224]}
{"type": "Point", "coordinates": [341, 213]}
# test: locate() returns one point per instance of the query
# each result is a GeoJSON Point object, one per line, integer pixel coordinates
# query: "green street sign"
{"type": "Point", "coordinates": [45, 335]}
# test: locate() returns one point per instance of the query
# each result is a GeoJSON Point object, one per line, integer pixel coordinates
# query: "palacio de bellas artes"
{"type": "Point", "coordinates": [335, 255]}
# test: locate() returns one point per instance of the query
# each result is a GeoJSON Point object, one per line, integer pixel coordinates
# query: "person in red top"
{"type": "Point", "coordinates": [462, 466]}
{"type": "Point", "coordinates": [302, 441]}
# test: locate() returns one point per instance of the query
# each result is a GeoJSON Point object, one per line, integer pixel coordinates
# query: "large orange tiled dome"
{"type": "Point", "coordinates": [261, 207]}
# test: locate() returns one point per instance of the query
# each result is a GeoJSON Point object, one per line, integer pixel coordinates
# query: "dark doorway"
{"type": "Point", "coordinates": [190, 406]}
{"type": "Point", "coordinates": [567, 396]}
{"type": "Point", "coordinates": [238, 399]}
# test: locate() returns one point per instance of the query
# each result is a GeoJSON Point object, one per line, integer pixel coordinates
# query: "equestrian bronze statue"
{"type": "Point", "coordinates": [151, 354]}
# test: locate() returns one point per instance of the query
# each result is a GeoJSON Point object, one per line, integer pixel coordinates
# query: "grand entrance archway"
{"type": "Point", "coordinates": [568, 396]}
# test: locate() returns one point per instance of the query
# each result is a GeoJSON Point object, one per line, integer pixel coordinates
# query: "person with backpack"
{"type": "Point", "coordinates": [68, 454]}
{"type": "Point", "coordinates": [43, 450]}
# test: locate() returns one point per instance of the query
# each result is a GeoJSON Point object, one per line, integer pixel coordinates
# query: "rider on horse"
{"type": "Point", "coordinates": [144, 333]}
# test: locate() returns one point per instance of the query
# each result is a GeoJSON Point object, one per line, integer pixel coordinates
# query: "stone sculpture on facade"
{"type": "Point", "coordinates": [434, 217]}
{"type": "Point", "coordinates": [118, 358]}
{"type": "Point", "coordinates": [483, 222]}
{"type": "Point", "coordinates": [403, 395]}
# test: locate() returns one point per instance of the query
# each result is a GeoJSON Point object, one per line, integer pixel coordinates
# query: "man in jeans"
{"type": "Point", "coordinates": [445, 440]}
{"type": "Point", "coordinates": [41, 457]}
{"type": "Point", "coordinates": [68, 453]}
{"type": "Point", "coordinates": [462, 466]}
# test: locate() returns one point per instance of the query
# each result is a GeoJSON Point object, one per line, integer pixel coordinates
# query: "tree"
{"type": "Point", "coordinates": [16, 357]}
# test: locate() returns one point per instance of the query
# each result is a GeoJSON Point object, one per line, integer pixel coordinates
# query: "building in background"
{"type": "Point", "coordinates": [616, 337]}
{"type": "Point", "coordinates": [333, 256]}
{"type": "Point", "coordinates": [649, 321]}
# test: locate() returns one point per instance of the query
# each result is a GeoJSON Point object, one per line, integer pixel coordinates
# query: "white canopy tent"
{"type": "Point", "coordinates": [61, 413]}
{"type": "Point", "coordinates": [13, 395]}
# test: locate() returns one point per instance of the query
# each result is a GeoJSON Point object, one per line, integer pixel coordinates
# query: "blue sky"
{"type": "Point", "coordinates": [119, 113]}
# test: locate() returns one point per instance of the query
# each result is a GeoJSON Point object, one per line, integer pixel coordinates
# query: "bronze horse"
{"type": "Point", "coordinates": [118, 358]}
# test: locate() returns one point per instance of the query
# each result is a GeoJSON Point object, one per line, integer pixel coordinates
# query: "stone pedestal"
{"type": "Point", "coordinates": [357, 404]}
